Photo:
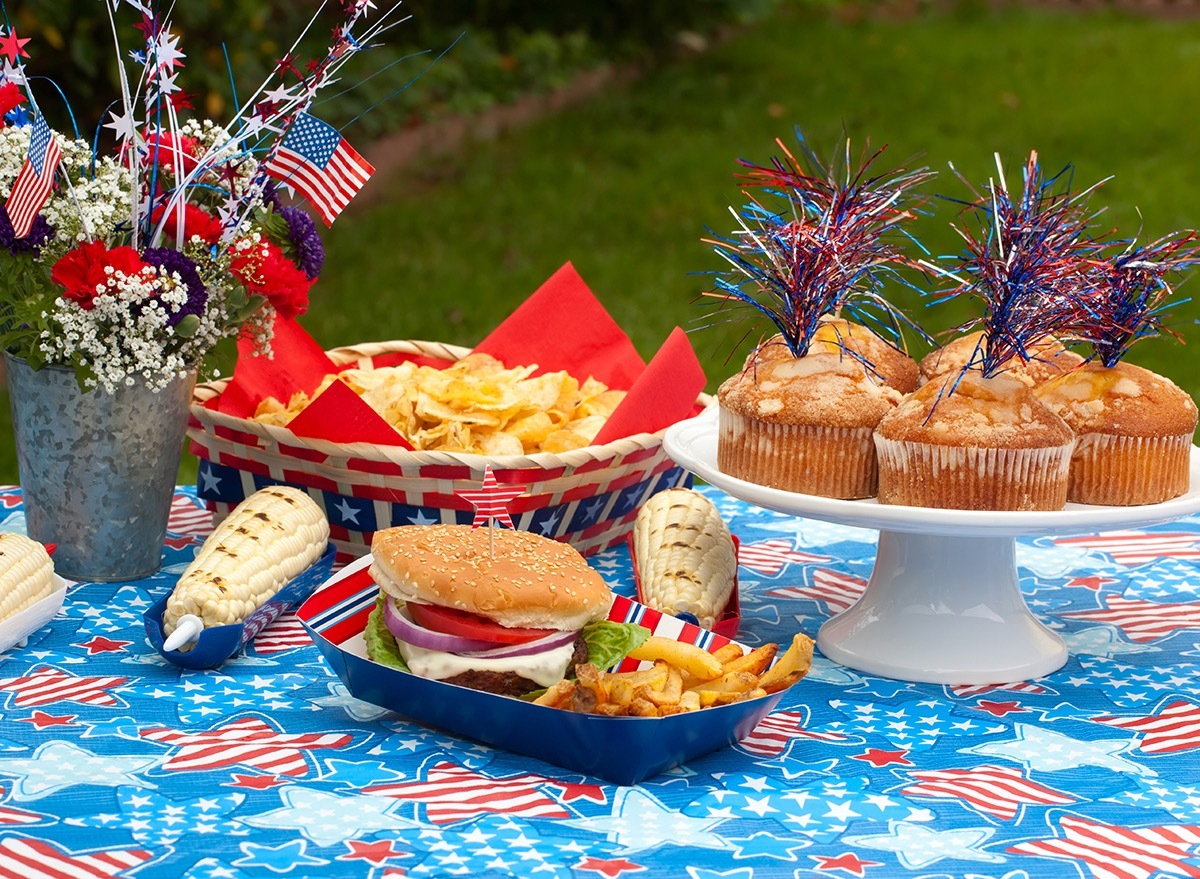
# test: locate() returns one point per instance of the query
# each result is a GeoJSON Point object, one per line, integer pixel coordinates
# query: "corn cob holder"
{"type": "Point", "coordinates": [30, 592]}
{"type": "Point", "coordinates": [269, 554]}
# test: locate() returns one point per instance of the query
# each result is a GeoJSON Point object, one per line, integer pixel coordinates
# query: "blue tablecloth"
{"type": "Point", "coordinates": [114, 763]}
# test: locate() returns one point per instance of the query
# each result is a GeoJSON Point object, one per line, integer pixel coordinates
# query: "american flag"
{"type": "Point", "coordinates": [491, 501]}
{"type": "Point", "coordinates": [33, 184]}
{"type": "Point", "coordinates": [315, 159]}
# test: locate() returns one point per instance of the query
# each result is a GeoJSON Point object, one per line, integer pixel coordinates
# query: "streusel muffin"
{"type": "Point", "coordinates": [967, 442]}
{"type": "Point", "coordinates": [1047, 359]}
{"type": "Point", "coordinates": [802, 424]}
{"type": "Point", "coordinates": [1134, 433]}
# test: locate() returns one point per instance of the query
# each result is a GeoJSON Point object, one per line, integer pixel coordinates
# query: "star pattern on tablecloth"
{"type": "Point", "coordinates": [47, 685]}
{"type": "Point", "coordinates": [1141, 620]}
{"type": "Point", "coordinates": [1180, 801]}
{"type": "Point", "coordinates": [1103, 641]}
{"type": "Point", "coordinates": [287, 857]}
{"type": "Point", "coordinates": [999, 792]}
{"type": "Point", "coordinates": [57, 766]}
{"type": "Point", "coordinates": [201, 696]}
{"type": "Point", "coordinates": [340, 699]}
{"type": "Point", "coordinates": [1173, 727]}
{"type": "Point", "coordinates": [915, 725]}
{"type": "Point", "coordinates": [1108, 850]}
{"type": "Point", "coordinates": [639, 821]}
{"type": "Point", "coordinates": [847, 862]}
{"type": "Point", "coordinates": [11, 816]}
{"type": "Point", "coordinates": [450, 793]}
{"type": "Point", "coordinates": [249, 741]}
{"type": "Point", "coordinates": [917, 846]}
{"type": "Point", "coordinates": [213, 868]}
{"type": "Point", "coordinates": [157, 820]}
{"type": "Point", "coordinates": [767, 845]}
{"type": "Point", "coordinates": [1129, 686]}
{"type": "Point", "coordinates": [1044, 750]}
{"type": "Point", "coordinates": [327, 818]}
{"type": "Point", "coordinates": [120, 612]}
{"type": "Point", "coordinates": [17, 853]}
{"type": "Point", "coordinates": [821, 809]}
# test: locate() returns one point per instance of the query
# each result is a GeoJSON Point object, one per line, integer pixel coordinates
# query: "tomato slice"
{"type": "Point", "coordinates": [469, 625]}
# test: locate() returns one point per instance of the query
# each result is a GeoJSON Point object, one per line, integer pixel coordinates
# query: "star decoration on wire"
{"type": "Point", "coordinates": [12, 46]}
{"type": "Point", "coordinates": [491, 501]}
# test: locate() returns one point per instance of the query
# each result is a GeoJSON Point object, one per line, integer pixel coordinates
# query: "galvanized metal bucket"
{"type": "Point", "coordinates": [98, 470]}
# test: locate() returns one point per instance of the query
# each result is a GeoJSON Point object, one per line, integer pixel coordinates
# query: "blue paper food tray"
{"type": "Point", "coordinates": [622, 750]}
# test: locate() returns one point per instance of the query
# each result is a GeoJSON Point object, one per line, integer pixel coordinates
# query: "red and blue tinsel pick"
{"type": "Point", "coordinates": [1128, 292]}
{"type": "Point", "coordinates": [815, 240]}
{"type": "Point", "coordinates": [1026, 258]}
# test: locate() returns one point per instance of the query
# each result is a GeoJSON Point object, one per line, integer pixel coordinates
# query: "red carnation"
{"type": "Point", "coordinates": [266, 271]}
{"type": "Point", "coordinates": [165, 149]}
{"type": "Point", "coordinates": [81, 270]}
{"type": "Point", "coordinates": [196, 221]}
{"type": "Point", "coordinates": [10, 96]}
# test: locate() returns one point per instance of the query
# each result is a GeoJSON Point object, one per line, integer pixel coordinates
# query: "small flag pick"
{"type": "Point", "coordinates": [32, 187]}
{"type": "Point", "coordinates": [315, 159]}
{"type": "Point", "coordinates": [491, 503]}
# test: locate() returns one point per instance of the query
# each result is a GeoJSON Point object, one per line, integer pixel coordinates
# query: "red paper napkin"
{"type": "Point", "coordinates": [297, 363]}
{"type": "Point", "coordinates": [340, 416]}
{"type": "Point", "coordinates": [562, 326]}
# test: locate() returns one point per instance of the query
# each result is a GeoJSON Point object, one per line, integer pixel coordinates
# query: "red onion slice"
{"type": "Point", "coordinates": [406, 630]}
{"type": "Point", "coordinates": [558, 639]}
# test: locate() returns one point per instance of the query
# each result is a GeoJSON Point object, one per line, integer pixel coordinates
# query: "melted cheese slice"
{"type": "Point", "coordinates": [544, 669]}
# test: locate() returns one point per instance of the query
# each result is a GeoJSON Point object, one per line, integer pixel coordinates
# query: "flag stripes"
{"type": "Point", "coordinates": [994, 790]}
{"type": "Point", "coordinates": [452, 793]}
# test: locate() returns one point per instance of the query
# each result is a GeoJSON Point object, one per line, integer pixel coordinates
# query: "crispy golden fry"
{"type": "Point", "coordinates": [756, 661]}
{"type": "Point", "coordinates": [558, 695]}
{"type": "Point", "coordinates": [475, 405]}
{"type": "Point", "coordinates": [728, 652]}
{"type": "Point", "coordinates": [694, 660]}
{"type": "Point", "coordinates": [732, 682]}
{"type": "Point", "coordinates": [671, 690]}
{"type": "Point", "coordinates": [791, 666]}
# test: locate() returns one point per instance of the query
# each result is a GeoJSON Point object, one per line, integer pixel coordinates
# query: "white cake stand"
{"type": "Point", "coordinates": [943, 604]}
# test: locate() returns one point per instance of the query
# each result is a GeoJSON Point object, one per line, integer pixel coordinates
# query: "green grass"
{"type": "Point", "coordinates": [625, 186]}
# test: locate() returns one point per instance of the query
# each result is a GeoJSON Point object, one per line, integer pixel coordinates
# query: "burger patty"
{"type": "Point", "coordinates": [509, 683]}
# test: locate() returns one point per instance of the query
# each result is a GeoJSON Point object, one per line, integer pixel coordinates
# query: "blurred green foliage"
{"type": "Point", "coordinates": [486, 52]}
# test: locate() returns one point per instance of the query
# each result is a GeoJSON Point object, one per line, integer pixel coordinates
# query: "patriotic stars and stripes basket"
{"type": "Point", "coordinates": [587, 497]}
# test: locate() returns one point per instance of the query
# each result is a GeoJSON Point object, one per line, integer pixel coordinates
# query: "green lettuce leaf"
{"type": "Point", "coordinates": [608, 642]}
{"type": "Point", "coordinates": [381, 643]}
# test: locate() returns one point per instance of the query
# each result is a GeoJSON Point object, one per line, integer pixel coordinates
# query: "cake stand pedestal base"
{"type": "Point", "coordinates": [943, 609]}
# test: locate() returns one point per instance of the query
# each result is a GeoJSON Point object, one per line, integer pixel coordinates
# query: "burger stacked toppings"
{"type": "Point", "coordinates": [505, 611]}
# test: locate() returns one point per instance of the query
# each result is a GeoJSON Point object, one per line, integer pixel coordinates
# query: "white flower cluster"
{"type": "Point", "coordinates": [90, 201]}
{"type": "Point", "coordinates": [126, 334]}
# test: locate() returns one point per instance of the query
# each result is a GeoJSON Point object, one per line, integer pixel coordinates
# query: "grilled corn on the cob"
{"type": "Point", "coordinates": [26, 573]}
{"type": "Point", "coordinates": [266, 540]}
{"type": "Point", "coordinates": [685, 555]}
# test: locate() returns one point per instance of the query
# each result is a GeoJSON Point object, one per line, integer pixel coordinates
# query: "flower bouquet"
{"type": "Point", "coordinates": [122, 269]}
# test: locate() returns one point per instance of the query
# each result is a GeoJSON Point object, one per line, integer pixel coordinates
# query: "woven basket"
{"type": "Point", "coordinates": [587, 497]}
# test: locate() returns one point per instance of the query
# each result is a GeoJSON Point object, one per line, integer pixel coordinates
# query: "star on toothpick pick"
{"type": "Point", "coordinates": [491, 502]}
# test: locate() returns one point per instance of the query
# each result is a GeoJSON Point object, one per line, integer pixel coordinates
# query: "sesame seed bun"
{"type": "Point", "coordinates": [531, 581]}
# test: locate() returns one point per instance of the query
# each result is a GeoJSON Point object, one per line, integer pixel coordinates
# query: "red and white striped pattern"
{"type": "Point", "coordinates": [1112, 852]}
{"type": "Point", "coordinates": [250, 742]}
{"type": "Point", "coordinates": [12, 815]}
{"type": "Point", "coordinates": [1142, 620]}
{"type": "Point", "coordinates": [187, 518]}
{"type": "Point", "coordinates": [968, 690]}
{"type": "Point", "coordinates": [1138, 547]}
{"type": "Point", "coordinates": [772, 556]}
{"type": "Point", "coordinates": [23, 858]}
{"type": "Point", "coordinates": [454, 793]}
{"type": "Point", "coordinates": [286, 633]}
{"type": "Point", "coordinates": [774, 731]}
{"type": "Point", "coordinates": [838, 591]}
{"type": "Point", "coordinates": [46, 685]}
{"type": "Point", "coordinates": [1175, 728]}
{"type": "Point", "coordinates": [993, 790]}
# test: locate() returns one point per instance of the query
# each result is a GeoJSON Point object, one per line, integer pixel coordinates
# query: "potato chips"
{"type": "Point", "coordinates": [475, 405]}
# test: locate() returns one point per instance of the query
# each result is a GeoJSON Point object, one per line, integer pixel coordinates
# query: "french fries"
{"type": "Point", "coordinates": [683, 678]}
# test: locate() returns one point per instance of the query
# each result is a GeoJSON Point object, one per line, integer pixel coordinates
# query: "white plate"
{"type": "Point", "coordinates": [18, 627]}
{"type": "Point", "coordinates": [693, 444]}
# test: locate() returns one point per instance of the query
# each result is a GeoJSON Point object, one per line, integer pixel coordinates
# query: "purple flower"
{"type": "Point", "coordinates": [302, 232]}
{"type": "Point", "coordinates": [39, 234]}
{"type": "Point", "coordinates": [177, 263]}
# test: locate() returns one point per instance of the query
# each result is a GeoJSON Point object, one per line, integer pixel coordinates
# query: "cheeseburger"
{"type": "Point", "coordinates": [492, 609]}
